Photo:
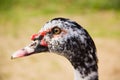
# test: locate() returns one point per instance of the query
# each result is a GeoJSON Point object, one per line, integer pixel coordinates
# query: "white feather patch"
{"type": "Point", "coordinates": [78, 76]}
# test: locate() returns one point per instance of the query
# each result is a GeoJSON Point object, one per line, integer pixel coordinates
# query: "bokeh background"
{"type": "Point", "coordinates": [19, 19]}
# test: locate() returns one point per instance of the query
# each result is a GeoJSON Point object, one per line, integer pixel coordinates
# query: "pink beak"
{"type": "Point", "coordinates": [36, 46]}
{"type": "Point", "coordinates": [23, 52]}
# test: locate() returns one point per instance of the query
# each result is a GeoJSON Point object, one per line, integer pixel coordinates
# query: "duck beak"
{"type": "Point", "coordinates": [36, 46]}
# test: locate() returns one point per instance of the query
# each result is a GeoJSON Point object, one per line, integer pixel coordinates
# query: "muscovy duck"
{"type": "Point", "coordinates": [69, 39]}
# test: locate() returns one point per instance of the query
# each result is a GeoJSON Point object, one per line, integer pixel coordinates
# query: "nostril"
{"type": "Point", "coordinates": [33, 44]}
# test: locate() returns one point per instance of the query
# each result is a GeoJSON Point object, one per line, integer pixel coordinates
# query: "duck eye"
{"type": "Point", "coordinates": [56, 30]}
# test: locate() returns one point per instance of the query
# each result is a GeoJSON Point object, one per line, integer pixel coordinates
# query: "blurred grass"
{"type": "Point", "coordinates": [52, 6]}
{"type": "Point", "coordinates": [99, 24]}
{"type": "Point", "coordinates": [102, 17]}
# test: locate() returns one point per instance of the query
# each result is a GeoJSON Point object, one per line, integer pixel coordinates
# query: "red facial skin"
{"type": "Point", "coordinates": [43, 43]}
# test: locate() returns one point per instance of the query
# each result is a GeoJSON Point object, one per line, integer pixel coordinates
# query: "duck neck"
{"type": "Point", "coordinates": [85, 68]}
{"type": "Point", "coordinates": [79, 76]}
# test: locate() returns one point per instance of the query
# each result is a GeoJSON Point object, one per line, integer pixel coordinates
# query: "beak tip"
{"type": "Point", "coordinates": [12, 57]}
{"type": "Point", "coordinates": [21, 53]}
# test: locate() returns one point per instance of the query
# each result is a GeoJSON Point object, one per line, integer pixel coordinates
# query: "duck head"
{"type": "Point", "coordinates": [69, 39]}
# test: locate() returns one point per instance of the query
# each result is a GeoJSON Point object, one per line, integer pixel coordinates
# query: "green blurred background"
{"type": "Point", "coordinates": [19, 19]}
{"type": "Point", "coordinates": [15, 12]}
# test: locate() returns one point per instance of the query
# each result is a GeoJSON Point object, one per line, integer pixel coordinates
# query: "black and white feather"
{"type": "Point", "coordinates": [76, 45]}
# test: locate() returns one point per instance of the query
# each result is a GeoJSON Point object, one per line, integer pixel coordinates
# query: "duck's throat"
{"type": "Point", "coordinates": [90, 76]}
{"type": "Point", "coordinates": [85, 70]}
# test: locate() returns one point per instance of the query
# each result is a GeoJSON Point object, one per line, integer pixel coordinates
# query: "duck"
{"type": "Point", "coordinates": [67, 38]}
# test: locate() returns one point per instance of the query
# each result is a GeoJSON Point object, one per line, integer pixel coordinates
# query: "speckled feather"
{"type": "Point", "coordinates": [75, 44]}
